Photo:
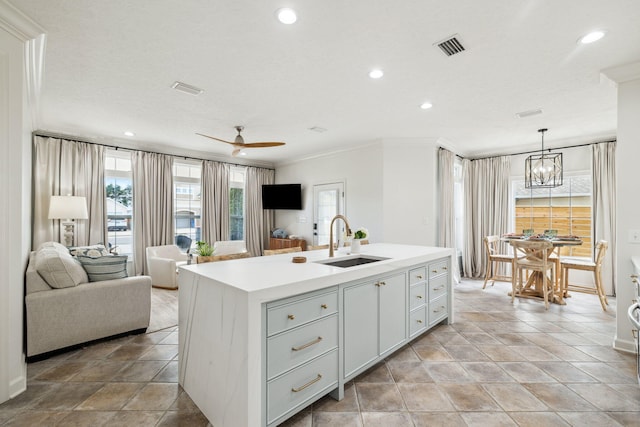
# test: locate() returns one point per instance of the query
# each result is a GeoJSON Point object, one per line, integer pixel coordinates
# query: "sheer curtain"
{"type": "Point", "coordinates": [64, 167]}
{"type": "Point", "coordinates": [486, 208]}
{"type": "Point", "coordinates": [446, 214]}
{"type": "Point", "coordinates": [259, 221]}
{"type": "Point", "coordinates": [215, 201]}
{"type": "Point", "coordinates": [152, 204]}
{"type": "Point", "coordinates": [604, 208]}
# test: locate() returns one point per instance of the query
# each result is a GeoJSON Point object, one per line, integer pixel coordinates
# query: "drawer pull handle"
{"type": "Point", "coordinates": [382, 283]}
{"type": "Point", "coordinates": [291, 316]}
{"type": "Point", "coordinates": [438, 309]}
{"type": "Point", "coordinates": [444, 268]}
{"type": "Point", "coordinates": [419, 276]}
{"type": "Point", "coordinates": [419, 321]}
{"type": "Point", "coordinates": [324, 306]}
{"type": "Point", "coordinates": [419, 296]}
{"type": "Point", "coordinates": [313, 381]}
{"type": "Point", "coordinates": [309, 344]}
{"type": "Point", "coordinates": [434, 271]}
{"type": "Point", "coordinates": [438, 288]}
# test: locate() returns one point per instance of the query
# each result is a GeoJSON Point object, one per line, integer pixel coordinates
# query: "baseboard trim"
{"type": "Point", "coordinates": [624, 345]}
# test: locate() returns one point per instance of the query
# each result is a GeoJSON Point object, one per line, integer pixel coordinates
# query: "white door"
{"type": "Point", "coordinates": [328, 201]}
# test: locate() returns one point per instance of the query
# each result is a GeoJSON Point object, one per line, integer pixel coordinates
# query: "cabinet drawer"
{"type": "Point", "coordinates": [417, 296]}
{"type": "Point", "coordinates": [300, 345]}
{"type": "Point", "coordinates": [417, 320]}
{"type": "Point", "coordinates": [417, 275]}
{"type": "Point", "coordinates": [437, 268]}
{"type": "Point", "coordinates": [301, 384]}
{"type": "Point", "coordinates": [301, 311]}
{"type": "Point", "coordinates": [438, 309]}
{"type": "Point", "coordinates": [438, 286]}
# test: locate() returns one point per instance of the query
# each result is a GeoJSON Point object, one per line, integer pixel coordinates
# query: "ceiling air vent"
{"type": "Point", "coordinates": [451, 45]}
{"type": "Point", "coordinates": [529, 113]}
{"type": "Point", "coordinates": [183, 87]}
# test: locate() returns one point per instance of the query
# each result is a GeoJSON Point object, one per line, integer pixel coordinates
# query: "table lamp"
{"type": "Point", "coordinates": [68, 208]}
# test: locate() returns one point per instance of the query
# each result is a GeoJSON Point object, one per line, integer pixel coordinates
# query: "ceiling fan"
{"type": "Point", "coordinates": [239, 143]}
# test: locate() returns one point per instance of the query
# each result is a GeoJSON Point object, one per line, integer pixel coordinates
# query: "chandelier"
{"type": "Point", "coordinates": [543, 170]}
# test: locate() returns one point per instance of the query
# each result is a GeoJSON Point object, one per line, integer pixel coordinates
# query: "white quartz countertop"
{"type": "Point", "coordinates": [276, 276]}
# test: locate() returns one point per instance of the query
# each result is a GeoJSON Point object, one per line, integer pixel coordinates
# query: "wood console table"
{"type": "Point", "coordinates": [275, 243]}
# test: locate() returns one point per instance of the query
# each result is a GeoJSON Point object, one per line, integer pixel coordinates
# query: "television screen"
{"type": "Point", "coordinates": [282, 196]}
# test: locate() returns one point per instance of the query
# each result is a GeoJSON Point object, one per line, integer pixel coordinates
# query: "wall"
{"type": "Point", "coordinates": [16, 32]}
{"type": "Point", "coordinates": [390, 189]}
{"type": "Point", "coordinates": [628, 202]}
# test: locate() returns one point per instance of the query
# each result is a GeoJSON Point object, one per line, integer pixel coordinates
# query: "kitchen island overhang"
{"type": "Point", "coordinates": [222, 319]}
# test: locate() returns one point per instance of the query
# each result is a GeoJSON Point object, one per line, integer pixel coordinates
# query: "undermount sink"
{"type": "Point", "coordinates": [351, 261]}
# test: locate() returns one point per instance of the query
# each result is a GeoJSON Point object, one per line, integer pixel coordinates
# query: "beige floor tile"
{"type": "Point", "coordinates": [595, 419]}
{"type": "Point", "coordinates": [625, 418]}
{"type": "Point", "coordinates": [437, 419]}
{"type": "Point", "coordinates": [488, 372]}
{"type": "Point", "coordinates": [112, 397]}
{"type": "Point", "coordinates": [538, 419]}
{"type": "Point", "coordinates": [334, 419]}
{"type": "Point", "coordinates": [533, 353]}
{"type": "Point", "coordinates": [86, 419]}
{"type": "Point", "coordinates": [604, 397]}
{"type": "Point", "coordinates": [152, 338]}
{"type": "Point", "coordinates": [511, 339]}
{"type": "Point", "coordinates": [569, 353]}
{"type": "Point", "coordinates": [514, 397]}
{"type": "Point", "coordinates": [172, 338]}
{"type": "Point", "coordinates": [184, 403]}
{"type": "Point", "coordinates": [526, 372]}
{"type": "Point", "coordinates": [386, 419]}
{"type": "Point", "coordinates": [140, 371]}
{"type": "Point", "coordinates": [376, 374]}
{"type": "Point", "coordinates": [160, 352]}
{"type": "Point", "coordinates": [154, 397]}
{"type": "Point", "coordinates": [95, 351]}
{"type": "Point", "coordinates": [469, 397]}
{"type": "Point", "coordinates": [565, 372]}
{"type": "Point", "coordinates": [604, 353]}
{"type": "Point", "coordinates": [379, 397]}
{"type": "Point", "coordinates": [190, 419]}
{"type": "Point", "coordinates": [67, 396]}
{"type": "Point", "coordinates": [129, 352]}
{"type": "Point", "coordinates": [451, 338]}
{"type": "Point", "coordinates": [487, 419]}
{"type": "Point", "coordinates": [424, 397]}
{"type": "Point", "coordinates": [63, 371]}
{"type": "Point", "coordinates": [447, 372]}
{"type": "Point", "coordinates": [36, 418]}
{"type": "Point", "coordinates": [409, 372]}
{"type": "Point", "coordinates": [405, 354]}
{"type": "Point", "coordinates": [432, 352]}
{"type": "Point", "coordinates": [103, 370]}
{"type": "Point", "coordinates": [301, 419]}
{"type": "Point", "coordinates": [168, 374]}
{"type": "Point", "coordinates": [467, 353]}
{"type": "Point", "coordinates": [606, 373]}
{"type": "Point", "coordinates": [500, 353]}
{"type": "Point", "coordinates": [348, 404]}
{"type": "Point", "coordinates": [135, 418]}
{"type": "Point", "coordinates": [559, 397]}
{"type": "Point", "coordinates": [29, 398]}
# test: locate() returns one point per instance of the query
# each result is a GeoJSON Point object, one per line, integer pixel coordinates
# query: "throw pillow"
{"type": "Point", "coordinates": [104, 267]}
{"type": "Point", "coordinates": [58, 268]}
{"type": "Point", "coordinates": [94, 251]}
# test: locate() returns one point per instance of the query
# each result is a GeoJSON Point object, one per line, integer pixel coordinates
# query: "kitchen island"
{"type": "Point", "coordinates": [261, 338]}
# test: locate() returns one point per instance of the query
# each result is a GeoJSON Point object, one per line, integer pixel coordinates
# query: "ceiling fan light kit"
{"type": "Point", "coordinates": [543, 170]}
{"type": "Point", "coordinates": [240, 145]}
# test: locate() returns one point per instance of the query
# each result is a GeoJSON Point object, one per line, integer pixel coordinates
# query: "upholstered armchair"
{"type": "Point", "coordinates": [226, 247]}
{"type": "Point", "coordinates": [162, 265]}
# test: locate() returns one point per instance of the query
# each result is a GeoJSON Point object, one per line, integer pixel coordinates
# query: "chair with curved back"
{"type": "Point", "coordinates": [226, 247]}
{"type": "Point", "coordinates": [493, 259]}
{"type": "Point", "coordinates": [268, 252]}
{"type": "Point", "coordinates": [587, 265]}
{"type": "Point", "coordinates": [533, 256]}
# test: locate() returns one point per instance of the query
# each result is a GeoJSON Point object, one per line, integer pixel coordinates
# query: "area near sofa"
{"type": "Point", "coordinates": [65, 306]}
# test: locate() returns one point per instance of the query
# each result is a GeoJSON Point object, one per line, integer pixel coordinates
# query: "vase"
{"type": "Point", "coordinates": [355, 246]}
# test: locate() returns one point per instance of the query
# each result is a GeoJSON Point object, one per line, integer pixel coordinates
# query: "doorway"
{"type": "Point", "coordinates": [328, 201]}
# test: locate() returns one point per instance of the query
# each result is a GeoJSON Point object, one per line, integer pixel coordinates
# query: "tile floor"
{"type": "Point", "coordinates": [498, 365]}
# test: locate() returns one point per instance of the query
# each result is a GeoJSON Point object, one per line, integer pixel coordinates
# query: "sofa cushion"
{"type": "Point", "coordinates": [104, 267]}
{"type": "Point", "coordinates": [93, 251]}
{"type": "Point", "coordinates": [54, 245]}
{"type": "Point", "coordinates": [58, 268]}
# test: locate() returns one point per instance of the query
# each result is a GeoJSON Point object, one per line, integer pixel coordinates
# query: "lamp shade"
{"type": "Point", "coordinates": [68, 207]}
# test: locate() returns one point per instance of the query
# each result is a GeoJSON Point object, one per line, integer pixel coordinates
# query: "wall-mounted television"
{"type": "Point", "coordinates": [282, 196]}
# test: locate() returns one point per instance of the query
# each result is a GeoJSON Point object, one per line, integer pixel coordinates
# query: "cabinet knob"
{"type": "Point", "coordinates": [419, 296]}
{"type": "Point", "coordinates": [324, 306]}
{"type": "Point", "coordinates": [434, 271]}
{"type": "Point", "coordinates": [444, 268]}
{"type": "Point", "coordinates": [419, 321]}
{"type": "Point", "coordinates": [382, 283]}
{"type": "Point", "coordinates": [419, 276]}
{"type": "Point", "coordinates": [291, 316]}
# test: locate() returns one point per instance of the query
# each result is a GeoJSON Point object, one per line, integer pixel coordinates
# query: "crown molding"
{"type": "Point", "coordinates": [623, 73]}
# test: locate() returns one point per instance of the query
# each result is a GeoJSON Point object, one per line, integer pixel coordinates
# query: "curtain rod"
{"type": "Point", "coordinates": [115, 147]}
{"type": "Point", "coordinates": [536, 151]}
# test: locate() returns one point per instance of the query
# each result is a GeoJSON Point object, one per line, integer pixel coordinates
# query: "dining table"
{"type": "Point", "coordinates": [534, 284]}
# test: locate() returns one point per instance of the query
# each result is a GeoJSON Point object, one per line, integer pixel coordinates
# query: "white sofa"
{"type": "Point", "coordinates": [162, 265]}
{"type": "Point", "coordinates": [64, 309]}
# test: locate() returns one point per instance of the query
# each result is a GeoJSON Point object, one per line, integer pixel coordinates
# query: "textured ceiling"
{"type": "Point", "coordinates": [109, 67]}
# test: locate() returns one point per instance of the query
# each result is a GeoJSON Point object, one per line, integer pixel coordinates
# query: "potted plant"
{"type": "Point", "coordinates": [360, 234]}
{"type": "Point", "coordinates": [205, 252]}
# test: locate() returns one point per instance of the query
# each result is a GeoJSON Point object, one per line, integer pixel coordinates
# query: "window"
{"type": "Point", "coordinates": [118, 179]}
{"type": "Point", "coordinates": [566, 209]}
{"type": "Point", "coordinates": [187, 198]}
{"type": "Point", "coordinates": [236, 203]}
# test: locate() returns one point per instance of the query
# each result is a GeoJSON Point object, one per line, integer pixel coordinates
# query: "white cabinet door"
{"type": "Point", "coordinates": [393, 312]}
{"type": "Point", "coordinates": [360, 326]}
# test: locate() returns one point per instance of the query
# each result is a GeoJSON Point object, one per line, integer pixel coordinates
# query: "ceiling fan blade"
{"type": "Point", "coordinates": [217, 139]}
{"type": "Point", "coordinates": [262, 144]}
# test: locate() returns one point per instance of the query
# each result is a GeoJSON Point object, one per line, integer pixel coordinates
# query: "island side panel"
{"type": "Point", "coordinates": [213, 350]}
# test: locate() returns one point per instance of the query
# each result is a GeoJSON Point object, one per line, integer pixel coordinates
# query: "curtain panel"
{"type": "Point", "coordinates": [446, 214]}
{"type": "Point", "coordinates": [603, 208]}
{"type": "Point", "coordinates": [152, 204]}
{"type": "Point", "coordinates": [260, 221]}
{"type": "Point", "coordinates": [215, 201]}
{"type": "Point", "coordinates": [486, 208]}
{"type": "Point", "coordinates": [63, 167]}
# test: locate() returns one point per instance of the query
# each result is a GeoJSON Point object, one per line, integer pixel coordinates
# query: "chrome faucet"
{"type": "Point", "coordinates": [346, 223]}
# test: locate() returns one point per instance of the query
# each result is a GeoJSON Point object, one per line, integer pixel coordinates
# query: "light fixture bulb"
{"type": "Point", "coordinates": [592, 37]}
{"type": "Point", "coordinates": [286, 15]}
{"type": "Point", "coordinates": [426, 105]}
{"type": "Point", "coordinates": [376, 73]}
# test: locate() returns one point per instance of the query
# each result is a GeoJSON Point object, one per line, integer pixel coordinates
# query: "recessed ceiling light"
{"type": "Point", "coordinates": [183, 87]}
{"type": "Point", "coordinates": [129, 133]}
{"type": "Point", "coordinates": [592, 37]}
{"type": "Point", "coordinates": [286, 15]}
{"type": "Point", "coordinates": [376, 73]}
{"type": "Point", "coordinates": [426, 105]}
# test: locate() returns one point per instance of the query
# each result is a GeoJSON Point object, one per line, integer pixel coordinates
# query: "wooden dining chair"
{"type": "Point", "coordinates": [268, 252]}
{"type": "Point", "coordinates": [316, 247]}
{"type": "Point", "coordinates": [533, 256]}
{"type": "Point", "coordinates": [493, 260]}
{"type": "Point", "coordinates": [587, 265]}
